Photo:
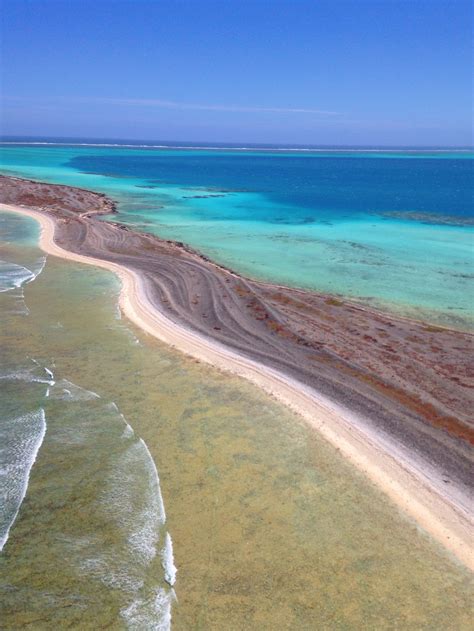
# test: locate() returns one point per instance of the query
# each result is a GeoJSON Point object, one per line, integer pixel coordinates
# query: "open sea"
{"type": "Point", "coordinates": [391, 228]}
{"type": "Point", "coordinates": [140, 489]}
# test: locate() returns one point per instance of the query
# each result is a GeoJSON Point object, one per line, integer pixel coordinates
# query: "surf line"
{"type": "Point", "coordinates": [404, 484]}
{"type": "Point", "coordinates": [34, 422]}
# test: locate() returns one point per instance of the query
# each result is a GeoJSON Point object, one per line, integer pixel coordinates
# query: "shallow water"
{"type": "Point", "coordinates": [151, 461]}
{"type": "Point", "coordinates": [387, 228]}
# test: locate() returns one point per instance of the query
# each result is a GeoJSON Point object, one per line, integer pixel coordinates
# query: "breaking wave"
{"type": "Point", "coordinates": [14, 277]}
{"type": "Point", "coordinates": [168, 561]}
{"type": "Point", "coordinates": [153, 613]}
{"type": "Point", "coordinates": [130, 495]}
{"type": "Point", "coordinates": [20, 441]}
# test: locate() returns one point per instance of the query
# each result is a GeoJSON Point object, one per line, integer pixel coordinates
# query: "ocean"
{"type": "Point", "coordinates": [389, 228]}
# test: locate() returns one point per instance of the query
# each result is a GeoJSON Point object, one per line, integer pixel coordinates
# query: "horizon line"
{"type": "Point", "coordinates": [6, 139]}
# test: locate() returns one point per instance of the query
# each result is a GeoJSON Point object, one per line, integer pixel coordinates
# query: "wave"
{"type": "Point", "coordinates": [155, 482]}
{"type": "Point", "coordinates": [245, 148]}
{"type": "Point", "coordinates": [128, 431]}
{"type": "Point", "coordinates": [20, 440]}
{"type": "Point", "coordinates": [13, 275]}
{"type": "Point", "coordinates": [129, 493]}
{"type": "Point", "coordinates": [17, 296]}
{"type": "Point", "coordinates": [133, 499]}
{"type": "Point", "coordinates": [49, 373]}
{"type": "Point", "coordinates": [27, 375]}
{"type": "Point", "coordinates": [66, 390]}
{"type": "Point", "coordinates": [153, 613]}
{"type": "Point", "coordinates": [168, 561]}
{"type": "Point", "coordinates": [38, 267]}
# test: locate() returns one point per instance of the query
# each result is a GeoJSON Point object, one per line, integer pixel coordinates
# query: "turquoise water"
{"type": "Point", "coordinates": [393, 229]}
{"type": "Point", "coordinates": [121, 459]}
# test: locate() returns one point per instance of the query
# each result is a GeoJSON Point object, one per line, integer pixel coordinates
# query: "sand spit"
{"type": "Point", "coordinates": [412, 442]}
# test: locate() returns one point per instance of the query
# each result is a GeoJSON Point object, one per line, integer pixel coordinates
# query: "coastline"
{"type": "Point", "coordinates": [375, 454]}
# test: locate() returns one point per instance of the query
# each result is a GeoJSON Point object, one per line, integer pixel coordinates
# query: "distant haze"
{"type": "Point", "coordinates": [338, 72]}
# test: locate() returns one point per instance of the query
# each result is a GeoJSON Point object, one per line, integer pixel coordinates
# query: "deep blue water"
{"type": "Point", "coordinates": [305, 188]}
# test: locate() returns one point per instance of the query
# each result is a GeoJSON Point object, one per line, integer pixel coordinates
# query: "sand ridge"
{"type": "Point", "coordinates": [376, 454]}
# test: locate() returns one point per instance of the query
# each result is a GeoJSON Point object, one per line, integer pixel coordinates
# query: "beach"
{"type": "Point", "coordinates": [390, 393]}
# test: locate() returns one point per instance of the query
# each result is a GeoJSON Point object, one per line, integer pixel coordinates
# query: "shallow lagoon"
{"type": "Point", "coordinates": [271, 527]}
{"type": "Point", "coordinates": [344, 223]}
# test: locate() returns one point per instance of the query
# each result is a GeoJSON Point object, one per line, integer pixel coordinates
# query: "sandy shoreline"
{"type": "Point", "coordinates": [385, 463]}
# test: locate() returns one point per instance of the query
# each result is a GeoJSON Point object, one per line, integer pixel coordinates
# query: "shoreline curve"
{"type": "Point", "coordinates": [445, 522]}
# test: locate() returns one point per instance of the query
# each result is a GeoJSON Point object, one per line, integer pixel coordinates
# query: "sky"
{"type": "Point", "coordinates": [348, 72]}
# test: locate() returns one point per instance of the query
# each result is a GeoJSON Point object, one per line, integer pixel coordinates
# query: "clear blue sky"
{"type": "Point", "coordinates": [294, 71]}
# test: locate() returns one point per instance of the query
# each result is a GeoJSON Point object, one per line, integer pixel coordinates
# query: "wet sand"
{"type": "Point", "coordinates": [391, 394]}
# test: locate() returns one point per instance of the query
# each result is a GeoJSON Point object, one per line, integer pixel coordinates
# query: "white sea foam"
{"type": "Point", "coordinates": [153, 613]}
{"type": "Point", "coordinates": [167, 561]}
{"type": "Point", "coordinates": [26, 375]}
{"type": "Point", "coordinates": [128, 431]}
{"type": "Point", "coordinates": [13, 276]}
{"type": "Point", "coordinates": [20, 307]}
{"type": "Point", "coordinates": [155, 483]}
{"type": "Point", "coordinates": [66, 390]}
{"type": "Point", "coordinates": [112, 573]}
{"type": "Point", "coordinates": [133, 499]}
{"type": "Point", "coordinates": [20, 440]}
{"type": "Point", "coordinates": [49, 373]}
{"type": "Point", "coordinates": [37, 268]}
